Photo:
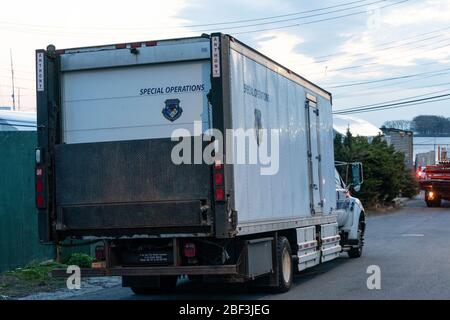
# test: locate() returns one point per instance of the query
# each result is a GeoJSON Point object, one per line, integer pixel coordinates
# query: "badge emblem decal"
{"type": "Point", "coordinates": [172, 111]}
{"type": "Point", "coordinates": [258, 126]}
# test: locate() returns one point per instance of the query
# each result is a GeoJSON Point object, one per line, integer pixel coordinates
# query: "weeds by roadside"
{"type": "Point", "coordinates": [36, 277]}
{"type": "Point", "coordinates": [30, 279]}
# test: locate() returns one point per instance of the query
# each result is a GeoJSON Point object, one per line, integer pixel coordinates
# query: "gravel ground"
{"type": "Point", "coordinates": [88, 286]}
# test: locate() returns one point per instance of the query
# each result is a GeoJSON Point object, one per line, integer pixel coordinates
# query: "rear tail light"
{"type": "Point", "coordinates": [39, 186]}
{"type": "Point", "coordinates": [40, 201]}
{"type": "Point", "coordinates": [189, 250]}
{"type": "Point", "coordinates": [219, 191]}
{"type": "Point", "coordinates": [220, 194]}
{"type": "Point", "coordinates": [100, 253]}
{"type": "Point", "coordinates": [218, 178]}
{"type": "Point", "coordinates": [40, 181]}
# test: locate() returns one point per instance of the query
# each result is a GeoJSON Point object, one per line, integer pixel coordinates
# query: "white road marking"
{"type": "Point", "coordinates": [412, 235]}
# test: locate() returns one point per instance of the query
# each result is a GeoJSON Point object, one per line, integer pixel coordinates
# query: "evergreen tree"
{"type": "Point", "coordinates": [385, 173]}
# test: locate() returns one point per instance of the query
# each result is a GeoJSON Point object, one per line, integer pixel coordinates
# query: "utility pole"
{"type": "Point", "coordinates": [12, 80]}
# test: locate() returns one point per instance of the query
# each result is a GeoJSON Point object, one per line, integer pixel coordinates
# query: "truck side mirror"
{"type": "Point", "coordinates": [357, 175]}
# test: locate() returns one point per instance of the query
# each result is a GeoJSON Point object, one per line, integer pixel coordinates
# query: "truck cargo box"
{"type": "Point", "coordinates": [106, 116]}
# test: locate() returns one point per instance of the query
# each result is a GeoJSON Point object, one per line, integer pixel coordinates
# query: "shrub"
{"type": "Point", "coordinates": [80, 259]}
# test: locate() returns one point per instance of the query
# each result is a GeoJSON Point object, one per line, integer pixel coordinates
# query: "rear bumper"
{"type": "Point", "coordinates": [153, 271]}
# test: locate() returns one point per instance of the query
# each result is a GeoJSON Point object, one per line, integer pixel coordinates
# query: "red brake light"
{"type": "Point", "coordinates": [39, 201]}
{"type": "Point", "coordinates": [218, 177]}
{"type": "Point", "coordinates": [39, 186]}
{"type": "Point", "coordinates": [121, 46]}
{"type": "Point", "coordinates": [189, 250]}
{"type": "Point", "coordinates": [220, 194]}
{"type": "Point", "coordinates": [100, 253]}
{"type": "Point", "coordinates": [150, 43]}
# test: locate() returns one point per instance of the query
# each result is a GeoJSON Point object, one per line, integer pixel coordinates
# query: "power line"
{"type": "Point", "coordinates": [393, 105]}
{"type": "Point", "coordinates": [382, 85]}
{"type": "Point", "coordinates": [193, 25]}
{"type": "Point", "coordinates": [385, 79]}
{"type": "Point", "coordinates": [320, 20]}
{"type": "Point", "coordinates": [365, 93]}
{"type": "Point", "coordinates": [390, 59]}
{"type": "Point", "coordinates": [386, 43]}
{"type": "Point", "coordinates": [20, 78]}
{"type": "Point", "coordinates": [6, 86]}
{"type": "Point", "coordinates": [42, 29]}
{"type": "Point", "coordinates": [396, 107]}
{"type": "Point", "coordinates": [298, 18]}
{"type": "Point", "coordinates": [395, 100]}
{"type": "Point", "coordinates": [383, 49]}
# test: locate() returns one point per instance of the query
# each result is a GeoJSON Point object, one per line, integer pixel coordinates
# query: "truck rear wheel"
{"type": "Point", "coordinates": [166, 284]}
{"type": "Point", "coordinates": [285, 265]}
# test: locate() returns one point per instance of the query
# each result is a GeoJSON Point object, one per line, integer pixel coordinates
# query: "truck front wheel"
{"type": "Point", "coordinates": [433, 203]}
{"type": "Point", "coordinates": [285, 266]}
{"type": "Point", "coordinates": [356, 251]}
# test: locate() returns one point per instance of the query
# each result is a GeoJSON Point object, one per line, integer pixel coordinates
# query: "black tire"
{"type": "Point", "coordinates": [285, 266]}
{"type": "Point", "coordinates": [434, 204]}
{"type": "Point", "coordinates": [167, 285]}
{"type": "Point", "coordinates": [145, 290]}
{"type": "Point", "coordinates": [356, 252]}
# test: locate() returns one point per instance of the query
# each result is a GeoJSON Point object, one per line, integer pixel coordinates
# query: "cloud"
{"type": "Point", "coordinates": [431, 11]}
{"type": "Point", "coordinates": [283, 47]}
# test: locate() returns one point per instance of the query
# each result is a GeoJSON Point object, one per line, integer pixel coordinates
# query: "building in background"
{"type": "Point", "coordinates": [402, 141]}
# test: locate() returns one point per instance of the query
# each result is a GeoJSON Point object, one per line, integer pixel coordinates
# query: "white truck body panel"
{"type": "Point", "coordinates": [281, 102]}
{"type": "Point", "coordinates": [112, 104]}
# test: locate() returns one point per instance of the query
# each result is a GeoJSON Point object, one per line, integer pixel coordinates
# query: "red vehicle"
{"type": "Point", "coordinates": [436, 183]}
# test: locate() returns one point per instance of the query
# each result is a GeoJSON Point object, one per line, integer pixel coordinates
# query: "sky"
{"type": "Point", "coordinates": [351, 48]}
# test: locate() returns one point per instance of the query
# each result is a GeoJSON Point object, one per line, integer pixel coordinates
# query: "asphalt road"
{"type": "Point", "coordinates": [411, 246]}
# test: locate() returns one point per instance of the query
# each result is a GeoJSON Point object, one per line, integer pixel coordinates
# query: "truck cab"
{"type": "Point", "coordinates": [350, 217]}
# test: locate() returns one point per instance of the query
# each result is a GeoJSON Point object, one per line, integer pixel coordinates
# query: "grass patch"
{"type": "Point", "coordinates": [36, 277]}
{"type": "Point", "coordinates": [31, 279]}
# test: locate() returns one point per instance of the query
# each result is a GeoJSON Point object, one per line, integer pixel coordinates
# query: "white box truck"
{"type": "Point", "coordinates": [105, 167]}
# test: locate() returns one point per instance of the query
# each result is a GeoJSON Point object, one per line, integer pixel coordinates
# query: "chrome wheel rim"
{"type": "Point", "coordinates": [286, 264]}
